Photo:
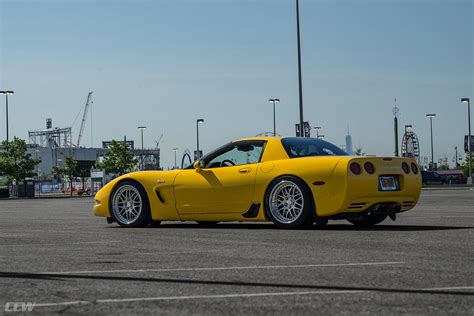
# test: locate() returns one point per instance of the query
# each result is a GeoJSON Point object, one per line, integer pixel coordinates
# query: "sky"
{"type": "Point", "coordinates": [163, 64]}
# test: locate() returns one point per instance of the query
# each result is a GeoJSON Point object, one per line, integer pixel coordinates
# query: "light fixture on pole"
{"type": "Point", "coordinates": [469, 147]}
{"type": "Point", "coordinates": [430, 116]}
{"type": "Point", "coordinates": [6, 93]}
{"type": "Point", "coordinates": [198, 153]}
{"type": "Point", "coordinates": [274, 119]}
{"type": "Point", "coordinates": [141, 128]}
{"type": "Point", "coordinates": [175, 150]}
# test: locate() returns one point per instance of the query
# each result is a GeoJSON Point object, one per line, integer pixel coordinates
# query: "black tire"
{"type": "Point", "coordinates": [305, 217]}
{"type": "Point", "coordinates": [207, 223]}
{"type": "Point", "coordinates": [143, 217]}
{"type": "Point", "coordinates": [321, 221]}
{"type": "Point", "coordinates": [369, 220]}
{"type": "Point", "coordinates": [153, 224]}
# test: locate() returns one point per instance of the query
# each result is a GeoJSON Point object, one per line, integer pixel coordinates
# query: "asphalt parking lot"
{"type": "Point", "coordinates": [56, 254]}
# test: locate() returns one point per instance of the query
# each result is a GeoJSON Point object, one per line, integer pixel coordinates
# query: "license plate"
{"type": "Point", "coordinates": [388, 183]}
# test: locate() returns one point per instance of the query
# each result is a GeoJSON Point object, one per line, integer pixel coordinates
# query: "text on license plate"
{"type": "Point", "coordinates": [388, 183]}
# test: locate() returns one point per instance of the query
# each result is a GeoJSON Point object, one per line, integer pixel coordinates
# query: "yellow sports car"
{"type": "Point", "coordinates": [292, 181]}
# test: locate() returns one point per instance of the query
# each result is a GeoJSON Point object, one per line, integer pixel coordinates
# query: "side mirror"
{"type": "Point", "coordinates": [198, 165]}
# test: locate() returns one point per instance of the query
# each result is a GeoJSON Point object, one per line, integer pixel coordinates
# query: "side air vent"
{"type": "Point", "coordinates": [357, 205]}
{"type": "Point", "coordinates": [406, 205]}
{"type": "Point", "coordinates": [159, 196]}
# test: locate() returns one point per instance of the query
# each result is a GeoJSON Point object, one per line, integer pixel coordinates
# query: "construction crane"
{"type": "Point", "coordinates": [84, 117]}
{"type": "Point", "coordinates": [158, 141]}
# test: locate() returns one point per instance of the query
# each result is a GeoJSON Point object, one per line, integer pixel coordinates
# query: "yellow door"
{"type": "Point", "coordinates": [226, 184]}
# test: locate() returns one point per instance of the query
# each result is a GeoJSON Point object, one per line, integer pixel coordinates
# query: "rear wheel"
{"type": "Point", "coordinates": [368, 220]}
{"type": "Point", "coordinates": [129, 205]}
{"type": "Point", "coordinates": [289, 203]}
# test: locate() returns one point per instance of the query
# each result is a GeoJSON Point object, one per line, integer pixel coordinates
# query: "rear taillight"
{"type": "Point", "coordinates": [369, 167]}
{"type": "Point", "coordinates": [414, 168]}
{"type": "Point", "coordinates": [405, 167]}
{"type": "Point", "coordinates": [355, 168]}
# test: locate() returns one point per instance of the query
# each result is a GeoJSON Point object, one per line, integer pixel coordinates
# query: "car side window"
{"type": "Point", "coordinates": [238, 154]}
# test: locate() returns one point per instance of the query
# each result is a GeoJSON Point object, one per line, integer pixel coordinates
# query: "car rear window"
{"type": "Point", "coordinates": [307, 147]}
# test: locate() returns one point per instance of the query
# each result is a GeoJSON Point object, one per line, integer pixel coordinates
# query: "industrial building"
{"type": "Point", "coordinates": [53, 144]}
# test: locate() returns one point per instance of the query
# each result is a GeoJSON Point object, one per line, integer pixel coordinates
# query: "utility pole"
{"type": "Point", "coordinates": [469, 147]}
{"type": "Point", "coordinates": [396, 113]}
{"type": "Point", "coordinates": [300, 81]}
{"type": "Point", "coordinates": [141, 128]}
{"type": "Point", "coordinates": [198, 154]}
{"type": "Point", "coordinates": [274, 119]}
{"type": "Point", "coordinates": [175, 164]}
{"type": "Point", "coordinates": [456, 151]}
{"type": "Point", "coordinates": [430, 116]}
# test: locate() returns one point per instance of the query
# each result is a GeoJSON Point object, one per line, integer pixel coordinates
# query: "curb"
{"type": "Point", "coordinates": [45, 197]}
{"type": "Point", "coordinates": [447, 188]}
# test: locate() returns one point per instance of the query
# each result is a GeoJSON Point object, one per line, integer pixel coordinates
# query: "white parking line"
{"type": "Point", "coordinates": [59, 244]}
{"type": "Point", "coordinates": [230, 268]}
{"type": "Point", "coordinates": [190, 297]}
{"type": "Point", "coordinates": [444, 216]}
{"type": "Point", "coordinates": [234, 295]}
{"type": "Point", "coordinates": [451, 288]}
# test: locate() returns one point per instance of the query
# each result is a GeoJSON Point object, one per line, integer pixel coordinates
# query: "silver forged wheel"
{"type": "Point", "coordinates": [286, 202]}
{"type": "Point", "coordinates": [127, 204]}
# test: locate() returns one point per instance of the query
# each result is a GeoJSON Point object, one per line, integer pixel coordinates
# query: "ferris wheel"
{"type": "Point", "coordinates": [410, 143]}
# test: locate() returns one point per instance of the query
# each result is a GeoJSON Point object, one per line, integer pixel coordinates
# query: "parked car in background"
{"type": "Point", "coordinates": [432, 177]}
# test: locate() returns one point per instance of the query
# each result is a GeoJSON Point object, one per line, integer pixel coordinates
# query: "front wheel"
{"type": "Point", "coordinates": [288, 203]}
{"type": "Point", "coordinates": [129, 205]}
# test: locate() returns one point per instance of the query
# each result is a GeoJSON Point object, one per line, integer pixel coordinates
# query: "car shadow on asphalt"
{"type": "Point", "coordinates": [393, 227]}
{"type": "Point", "coordinates": [330, 227]}
{"type": "Point", "coordinates": [65, 277]}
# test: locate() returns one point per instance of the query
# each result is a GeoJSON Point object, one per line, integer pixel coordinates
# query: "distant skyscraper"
{"type": "Point", "coordinates": [349, 143]}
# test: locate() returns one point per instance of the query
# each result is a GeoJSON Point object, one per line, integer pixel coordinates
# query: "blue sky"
{"type": "Point", "coordinates": [164, 64]}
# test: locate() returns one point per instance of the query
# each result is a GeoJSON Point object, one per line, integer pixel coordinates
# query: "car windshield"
{"type": "Point", "coordinates": [306, 147]}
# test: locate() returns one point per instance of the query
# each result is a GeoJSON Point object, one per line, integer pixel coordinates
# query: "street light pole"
{"type": "Point", "coordinates": [6, 93]}
{"type": "Point", "coordinates": [431, 115]}
{"type": "Point", "coordinates": [141, 128]}
{"type": "Point", "coordinates": [469, 148]}
{"type": "Point", "coordinates": [175, 150]}
{"type": "Point", "coordinates": [198, 155]}
{"type": "Point", "coordinates": [300, 82]}
{"type": "Point", "coordinates": [274, 119]}
{"type": "Point", "coordinates": [396, 112]}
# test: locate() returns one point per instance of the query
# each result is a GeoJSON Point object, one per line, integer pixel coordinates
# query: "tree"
{"type": "Point", "coordinates": [118, 159]}
{"type": "Point", "coordinates": [15, 161]}
{"type": "Point", "coordinates": [68, 170]}
{"type": "Point", "coordinates": [465, 166]}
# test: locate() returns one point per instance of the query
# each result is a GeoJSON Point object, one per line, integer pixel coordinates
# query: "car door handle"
{"type": "Point", "coordinates": [245, 170]}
